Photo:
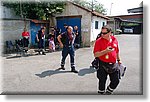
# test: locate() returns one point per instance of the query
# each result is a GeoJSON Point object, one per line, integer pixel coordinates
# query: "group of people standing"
{"type": "Point", "coordinates": [106, 53]}
{"type": "Point", "coordinates": [40, 36]}
{"type": "Point", "coordinates": [52, 38]}
{"type": "Point", "coordinates": [66, 41]}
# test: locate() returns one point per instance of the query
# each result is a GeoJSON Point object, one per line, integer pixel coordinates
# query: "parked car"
{"type": "Point", "coordinates": [128, 30]}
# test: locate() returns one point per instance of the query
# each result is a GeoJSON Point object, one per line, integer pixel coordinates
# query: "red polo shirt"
{"type": "Point", "coordinates": [25, 34]}
{"type": "Point", "coordinates": [101, 44]}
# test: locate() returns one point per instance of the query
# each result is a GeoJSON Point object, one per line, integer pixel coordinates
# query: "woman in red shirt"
{"type": "Point", "coordinates": [25, 36]}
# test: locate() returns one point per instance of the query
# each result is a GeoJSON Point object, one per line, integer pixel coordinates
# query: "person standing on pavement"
{"type": "Point", "coordinates": [40, 39]}
{"type": "Point", "coordinates": [68, 47]}
{"type": "Point", "coordinates": [77, 40]}
{"type": "Point", "coordinates": [107, 50]}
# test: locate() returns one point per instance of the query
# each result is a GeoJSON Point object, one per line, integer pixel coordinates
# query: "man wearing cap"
{"type": "Point", "coordinates": [107, 50]}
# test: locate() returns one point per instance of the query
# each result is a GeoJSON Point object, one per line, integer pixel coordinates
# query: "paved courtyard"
{"type": "Point", "coordinates": [39, 75]}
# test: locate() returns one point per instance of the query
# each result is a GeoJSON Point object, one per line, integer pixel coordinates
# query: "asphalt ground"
{"type": "Point", "coordinates": [39, 74]}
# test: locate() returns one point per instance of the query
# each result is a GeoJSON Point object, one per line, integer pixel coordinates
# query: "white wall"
{"type": "Point", "coordinates": [95, 32]}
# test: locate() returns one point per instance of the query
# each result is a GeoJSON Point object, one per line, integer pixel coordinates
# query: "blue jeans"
{"type": "Point", "coordinates": [68, 50]}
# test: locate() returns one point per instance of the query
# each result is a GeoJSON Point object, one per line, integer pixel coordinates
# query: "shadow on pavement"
{"type": "Point", "coordinates": [19, 56]}
{"type": "Point", "coordinates": [51, 72]}
{"type": "Point", "coordinates": [82, 72]}
{"type": "Point", "coordinates": [85, 71]}
{"type": "Point", "coordinates": [9, 57]}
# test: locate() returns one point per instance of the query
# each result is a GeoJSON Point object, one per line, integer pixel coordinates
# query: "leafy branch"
{"type": "Point", "coordinates": [35, 10]}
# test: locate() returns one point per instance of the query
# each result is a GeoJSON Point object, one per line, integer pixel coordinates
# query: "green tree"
{"type": "Point", "coordinates": [35, 10]}
{"type": "Point", "coordinates": [92, 4]}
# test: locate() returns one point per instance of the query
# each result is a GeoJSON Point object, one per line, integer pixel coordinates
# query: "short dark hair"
{"type": "Point", "coordinates": [42, 28]}
{"type": "Point", "coordinates": [65, 24]}
{"type": "Point", "coordinates": [107, 27]}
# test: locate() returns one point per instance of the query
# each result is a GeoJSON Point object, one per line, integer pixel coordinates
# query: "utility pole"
{"type": "Point", "coordinates": [21, 10]}
{"type": "Point", "coordinates": [92, 6]}
{"type": "Point", "coordinates": [110, 8]}
{"type": "Point", "coordinates": [21, 14]}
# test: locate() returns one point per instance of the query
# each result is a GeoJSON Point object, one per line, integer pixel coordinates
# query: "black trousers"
{"type": "Point", "coordinates": [41, 44]}
{"type": "Point", "coordinates": [25, 42]}
{"type": "Point", "coordinates": [102, 76]}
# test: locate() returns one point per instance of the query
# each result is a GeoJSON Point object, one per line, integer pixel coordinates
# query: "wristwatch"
{"type": "Point", "coordinates": [118, 60]}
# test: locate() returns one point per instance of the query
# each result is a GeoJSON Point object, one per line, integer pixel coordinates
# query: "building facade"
{"type": "Point", "coordinates": [12, 26]}
{"type": "Point", "coordinates": [89, 22]}
{"type": "Point", "coordinates": [131, 23]}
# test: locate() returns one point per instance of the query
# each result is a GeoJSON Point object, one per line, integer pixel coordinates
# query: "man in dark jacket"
{"type": "Point", "coordinates": [68, 48]}
{"type": "Point", "coordinates": [40, 39]}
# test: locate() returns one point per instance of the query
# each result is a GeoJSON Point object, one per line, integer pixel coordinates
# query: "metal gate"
{"type": "Point", "coordinates": [35, 27]}
{"type": "Point", "coordinates": [70, 21]}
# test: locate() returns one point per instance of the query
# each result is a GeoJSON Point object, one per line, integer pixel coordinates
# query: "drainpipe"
{"type": "Point", "coordinates": [114, 27]}
{"type": "Point", "coordinates": [92, 33]}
